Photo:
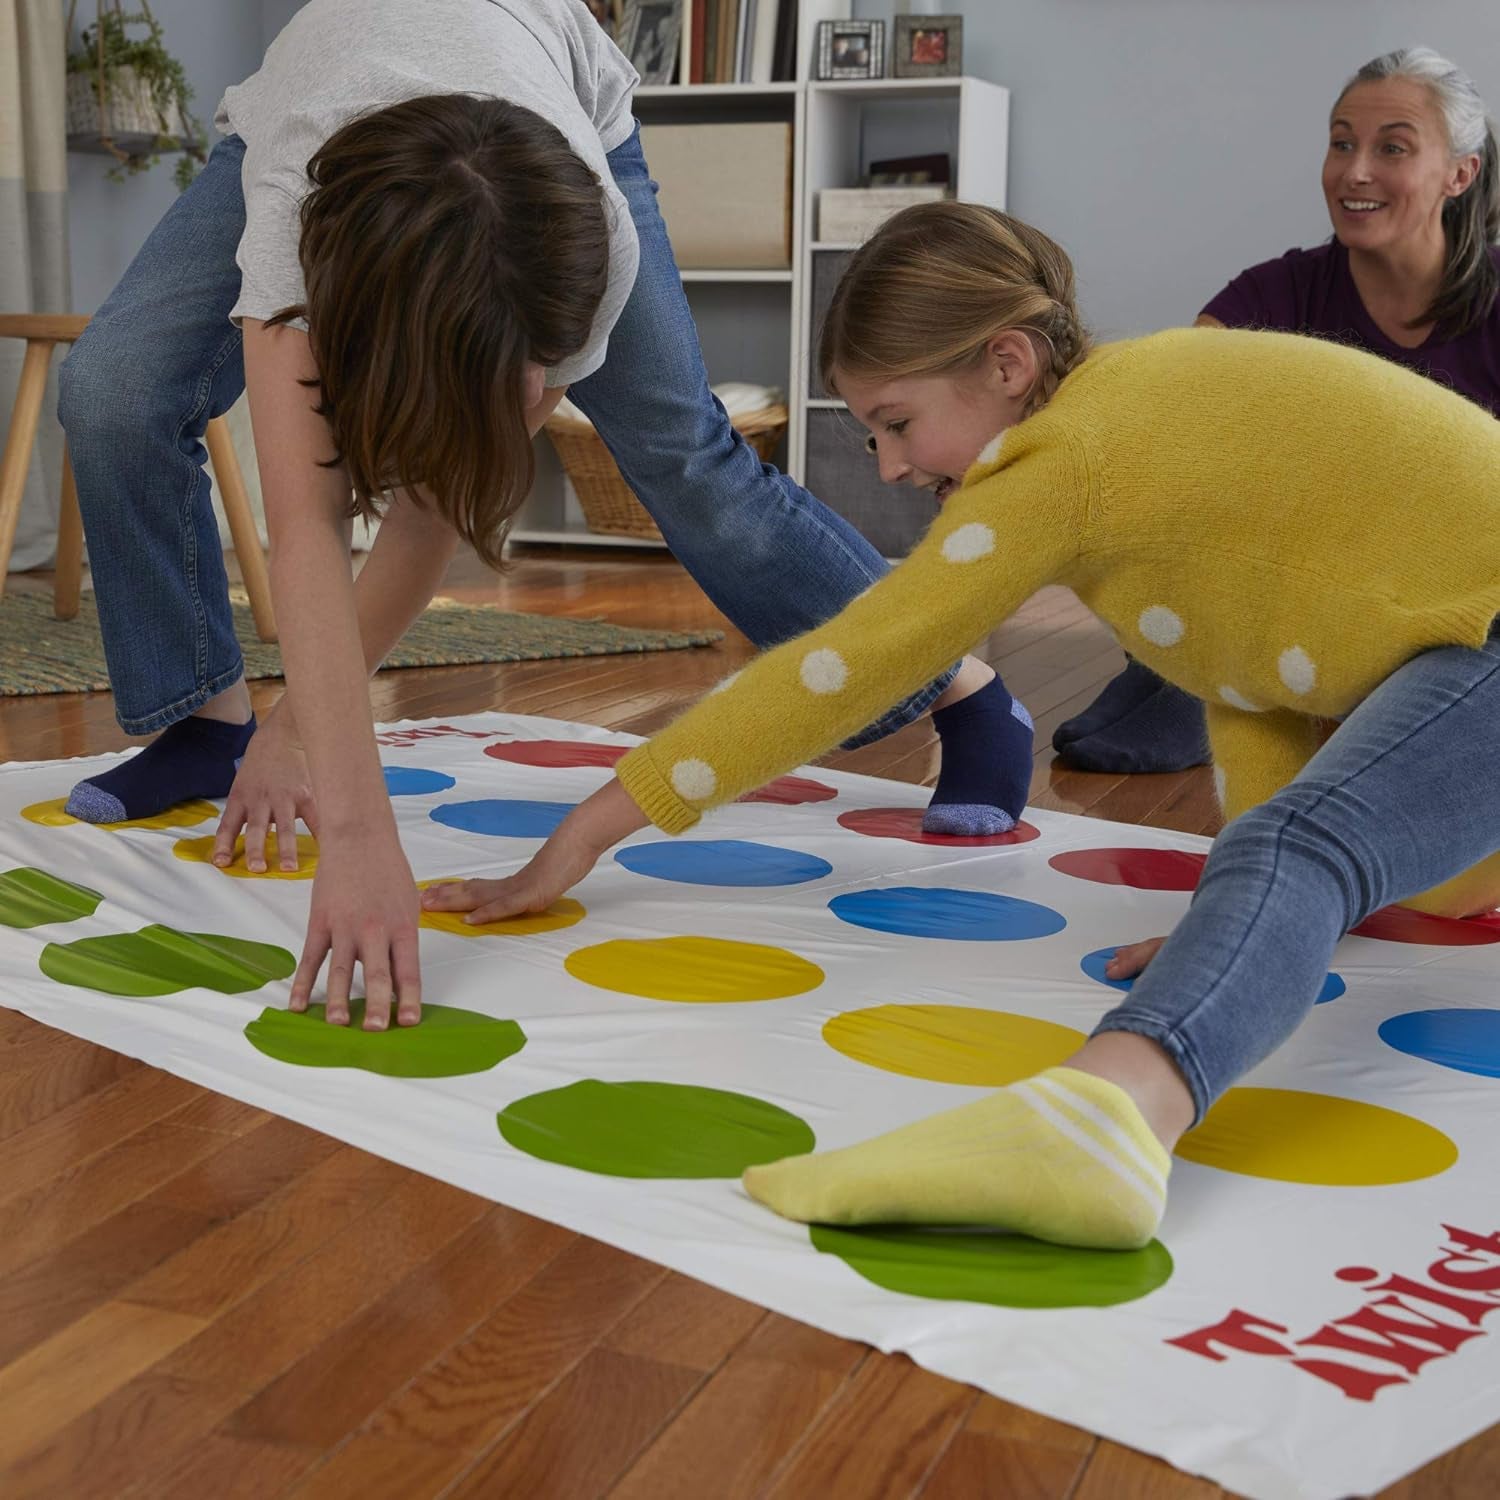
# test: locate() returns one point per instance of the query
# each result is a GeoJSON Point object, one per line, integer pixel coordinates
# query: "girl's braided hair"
{"type": "Point", "coordinates": [928, 291]}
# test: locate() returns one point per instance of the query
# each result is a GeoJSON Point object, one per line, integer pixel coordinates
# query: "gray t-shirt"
{"type": "Point", "coordinates": [337, 59]}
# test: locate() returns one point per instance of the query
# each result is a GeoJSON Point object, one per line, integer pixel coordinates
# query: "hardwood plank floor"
{"type": "Point", "coordinates": [197, 1298]}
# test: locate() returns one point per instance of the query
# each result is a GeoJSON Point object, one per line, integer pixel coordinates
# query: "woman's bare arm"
{"type": "Point", "coordinates": [364, 906]}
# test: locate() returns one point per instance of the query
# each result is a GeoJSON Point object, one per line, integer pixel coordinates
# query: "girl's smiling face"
{"type": "Point", "coordinates": [1389, 168]}
{"type": "Point", "coordinates": [925, 430]}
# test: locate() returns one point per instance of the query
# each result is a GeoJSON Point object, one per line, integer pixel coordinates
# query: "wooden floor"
{"type": "Point", "coordinates": [201, 1300]}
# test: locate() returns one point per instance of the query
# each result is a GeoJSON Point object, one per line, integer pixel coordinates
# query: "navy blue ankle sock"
{"type": "Point", "coordinates": [1165, 731]}
{"type": "Point", "coordinates": [195, 757]}
{"type": "Point", "coordinates": [1121, 695]}
{"type": "Point", "coordinates": [986, 765]}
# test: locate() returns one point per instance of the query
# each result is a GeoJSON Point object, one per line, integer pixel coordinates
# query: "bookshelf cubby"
{"type": "Point", "coordinates": [759, 325]}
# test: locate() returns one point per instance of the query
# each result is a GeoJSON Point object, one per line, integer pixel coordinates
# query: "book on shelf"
{"type": "Point", "coordinates": [763, 41]}
{"type": "Point", "coordinates": [784, 49]}
{"type": "Point", "coordinates": [743, 41]}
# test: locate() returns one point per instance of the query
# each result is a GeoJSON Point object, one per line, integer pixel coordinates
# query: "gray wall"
{"type": "Point", "coordinates": [1167, 144]}
{"type": "Point", "coordinates": [219, 42]}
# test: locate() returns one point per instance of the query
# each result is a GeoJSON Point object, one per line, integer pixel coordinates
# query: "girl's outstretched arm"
{"type": "Point", "coordinates": [594, 827]}
{"type": "Point", "coordinates": [1017, 524]}
{"type": "Point", "coordinates": [996, 542]}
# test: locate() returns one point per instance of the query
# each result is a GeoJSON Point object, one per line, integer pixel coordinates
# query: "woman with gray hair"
{"type": "Point", "coordinates": [1412, 184]}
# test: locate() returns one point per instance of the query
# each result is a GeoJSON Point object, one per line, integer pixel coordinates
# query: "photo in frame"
{"type": "Point", "coordinates": [850, 49]}
{"type": "Point", "coordinates": [650, 35]}
{"type": "Point", "coordinates": [928, 47]}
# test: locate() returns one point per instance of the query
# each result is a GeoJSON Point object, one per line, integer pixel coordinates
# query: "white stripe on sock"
{"type": "Point", "coordinates": [1106, 1122]}
{"type": "Point", "coordinates": [1154, 1193]}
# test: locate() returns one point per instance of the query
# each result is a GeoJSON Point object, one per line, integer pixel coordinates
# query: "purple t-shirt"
{"type": "Point", "coordinates": [1313, 291]}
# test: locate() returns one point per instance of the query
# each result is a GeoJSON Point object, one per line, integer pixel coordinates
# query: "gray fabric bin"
{"type": "Point", "coordinates": [845, 478]}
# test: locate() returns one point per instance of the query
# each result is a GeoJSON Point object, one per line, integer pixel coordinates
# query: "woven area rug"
{"type": "Point", "coordinates": [41, 654]}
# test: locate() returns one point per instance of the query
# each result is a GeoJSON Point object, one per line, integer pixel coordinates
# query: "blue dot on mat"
{"type": "Point", "coordinates": [1093, 964]}
{"type": "Point", "coordinates": [504, 817]}
{"type": "Point", "coordinates": [722, 862]}
{"type": "Point", "coordinates": [1333, 987]}
{"type": "Point", "coordinates": [936, 912]}
{"type": "Point", "coordinates": [1466, 1040]}
{"type": "Point", "coordinates": [411, 781]}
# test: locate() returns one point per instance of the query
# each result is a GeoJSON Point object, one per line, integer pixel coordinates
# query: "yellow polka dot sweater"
{"type": "Point", "coordinates": [1274, 523]}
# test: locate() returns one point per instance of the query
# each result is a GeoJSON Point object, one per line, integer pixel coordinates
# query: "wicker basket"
{"type": "Point", "coordinates": [609, 505]}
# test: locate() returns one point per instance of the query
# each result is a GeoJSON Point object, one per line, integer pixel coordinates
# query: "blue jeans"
{"type": "Point", "coordinates": [1403, 797]}
{"type": "Point", "coordinates": [160, 359]}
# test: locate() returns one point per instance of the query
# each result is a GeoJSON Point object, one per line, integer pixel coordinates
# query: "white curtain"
{"type": "Point", "coordinates": [33, 235]}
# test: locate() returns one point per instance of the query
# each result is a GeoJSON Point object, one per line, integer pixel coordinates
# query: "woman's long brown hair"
{"type": "Point", "coordinates": [446, 242]}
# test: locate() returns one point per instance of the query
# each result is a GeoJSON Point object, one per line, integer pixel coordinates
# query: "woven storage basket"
{"type": "Point", "coordinates": [609, 505]}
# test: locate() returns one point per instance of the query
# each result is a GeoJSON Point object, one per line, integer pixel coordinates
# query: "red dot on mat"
{"type": "Point", "coordinates": [906, 823]}
{"type": "Point", "coordinates": [1356, 1273]}
{"type": "Point", "coordinates": [556, 753]}
{"type": "Point", "coordinates": [563, 753]}
{"type": "Point", "coordinates": [790, 790]}
{"type": "Point", "coordinates": [1145, 869]}
{"type": "Point", "coordinates": [1398, 924]}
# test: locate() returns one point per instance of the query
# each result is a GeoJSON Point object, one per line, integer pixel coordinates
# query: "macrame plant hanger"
{"type": "Point", "coordinates": [101, 80]}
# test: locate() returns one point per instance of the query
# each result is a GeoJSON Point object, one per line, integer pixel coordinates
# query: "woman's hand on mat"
{"type": "Point", "coordinates": [1131, 960]}
{"type": "Point", "coordinates": [597, 824]}
{"type": "Point", "coordinates": [365, 912]}
{"type": "Point", "coordinates": [273, 788]}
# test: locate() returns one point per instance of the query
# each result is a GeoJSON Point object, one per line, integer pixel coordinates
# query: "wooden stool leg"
{"type": "Point", "coordinates": [237, 512]}
{"type": "Point", "coordinates": [67, 580]}
{"type": "Point", "coordinates": [17, 458]}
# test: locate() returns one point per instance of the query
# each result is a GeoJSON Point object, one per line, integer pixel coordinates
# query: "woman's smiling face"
{"type": "Point", "coordinates": [1389, 169]}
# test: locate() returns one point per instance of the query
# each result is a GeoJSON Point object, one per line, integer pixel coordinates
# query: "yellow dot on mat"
{"type": "Point", "coordinates": [50, 814]}
{"type": "Point", "coordinates": [562, 913]}
{"type": "Point", "coordinates": [951, 1043]}
{"type": "Point", "coordinates": [1317, 1139]}
{"type": "Point", "coordinates": [202, 851]}
{"type": "Point", "coordinates": [694, 970]}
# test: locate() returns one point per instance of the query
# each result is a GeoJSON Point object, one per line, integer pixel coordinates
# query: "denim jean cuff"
{"type": "Point", "coordinates": [1170, 1040]}
{"type": "Point", "coordinates": [903, 713]}
{"type": "Point", "coordinates": [163, 718]}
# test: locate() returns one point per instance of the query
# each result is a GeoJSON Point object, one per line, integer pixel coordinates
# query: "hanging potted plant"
{"type": "Point", "coordinates": [129, 97]}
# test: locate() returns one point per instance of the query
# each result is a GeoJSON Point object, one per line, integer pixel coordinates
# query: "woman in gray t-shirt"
{"type": "Point", "coordinates": [426, 220]}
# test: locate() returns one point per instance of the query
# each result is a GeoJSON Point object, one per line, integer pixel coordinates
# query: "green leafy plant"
{"type": "Point", "coordinates": [108, 48]}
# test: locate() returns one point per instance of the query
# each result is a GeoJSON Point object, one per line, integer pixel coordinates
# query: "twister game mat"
{"type": "Point", "coordinates": [1319, 1314]}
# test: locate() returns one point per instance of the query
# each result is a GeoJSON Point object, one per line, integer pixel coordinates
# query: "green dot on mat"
{"type": "Point", "coordinates": [446, 1043]}
{"type": "Point", "coordinates": [161, 961]}
{"type": "Point", "coordinates": [33, 898]}
{"type": "Point", "coordinates": [1007, 1270]}
{"type": "Point", "coordinates": [652, 1129]}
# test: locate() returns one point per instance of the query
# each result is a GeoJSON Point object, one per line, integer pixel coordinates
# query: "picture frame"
{"type": "Point", "coordinates": [650, 35]}
{"type": "Point", "coordinates": [928, 47]}
{"type": "Point", "coordinates": [609, 14]}
{"type": "Point", "coordinates": [850, 49]}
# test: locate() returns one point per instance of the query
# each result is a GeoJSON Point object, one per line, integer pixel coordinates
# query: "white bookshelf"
{"type": "Point", "coordinates": [755, 324]}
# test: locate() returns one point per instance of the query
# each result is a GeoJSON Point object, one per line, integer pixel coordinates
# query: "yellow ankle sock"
{"type": "Point", "coordinates": [1063, 1156]}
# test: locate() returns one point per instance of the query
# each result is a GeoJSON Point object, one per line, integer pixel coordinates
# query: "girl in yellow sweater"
{"type": "Point", "coordinates": [1302, 535]}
